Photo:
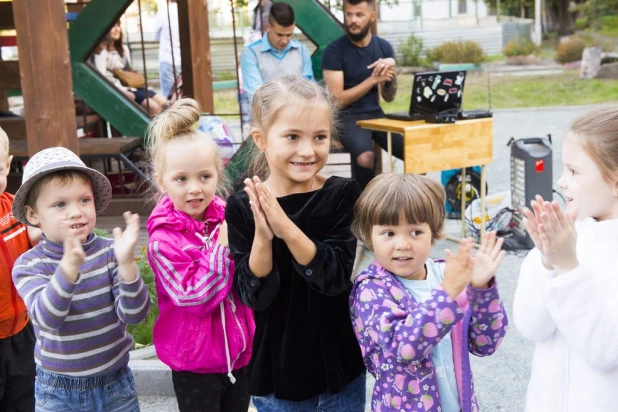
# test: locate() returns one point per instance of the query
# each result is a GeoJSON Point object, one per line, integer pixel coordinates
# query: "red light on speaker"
{"type": "Point", "coordinates": [539, 166]}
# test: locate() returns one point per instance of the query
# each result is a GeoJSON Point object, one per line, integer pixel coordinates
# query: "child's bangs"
{"type": "Point", "coordinates": [398, 207]}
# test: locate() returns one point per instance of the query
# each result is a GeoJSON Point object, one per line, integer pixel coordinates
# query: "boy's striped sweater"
{"type": "Point", "coordinates": [80, 327]}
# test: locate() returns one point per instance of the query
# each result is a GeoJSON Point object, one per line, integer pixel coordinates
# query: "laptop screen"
{"type": "Point", "coordinates": [435, 92]}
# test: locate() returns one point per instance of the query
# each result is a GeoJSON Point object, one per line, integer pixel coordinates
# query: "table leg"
{"type": "Point", "coordinates": [389, 140]}
{"type": "Point", "coordinates": [463, 202]}
{"type": "Point", "coordinates": [483, 194]}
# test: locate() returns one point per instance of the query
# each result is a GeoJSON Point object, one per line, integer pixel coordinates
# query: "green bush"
{"type": "Point", "coordinates": [609, 22]}
{"type": "Point", "coordinates": [521, 47]}
{"type": "Point", "coordinates": [457, 52]}
{"type": "Point", "coordinates": [581, 23]}
{"type": "Point", "coordinates": [410, 52]}
{"type": "Point", "coordinates": [570, 50]}
{"type": "Point", "coordinates": [142, 332]}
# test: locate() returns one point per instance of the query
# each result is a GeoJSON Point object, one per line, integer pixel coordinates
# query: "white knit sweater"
{"type": "Point", "coordinates": [574, 320]}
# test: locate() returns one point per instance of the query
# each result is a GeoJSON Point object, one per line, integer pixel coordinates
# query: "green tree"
{"type": "Point", "coordinates": [558, 11]}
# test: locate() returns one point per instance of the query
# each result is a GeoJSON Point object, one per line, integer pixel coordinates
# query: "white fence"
{"type": "Point", "coordinates": [491, 35]}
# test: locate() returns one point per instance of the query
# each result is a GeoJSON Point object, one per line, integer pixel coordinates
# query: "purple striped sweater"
{"type": "Point", "coordinates": [80, 327]}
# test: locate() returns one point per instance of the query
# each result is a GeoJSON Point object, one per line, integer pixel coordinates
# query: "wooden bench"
{"type": "Point", "coordinates": [15, 127]}
{"type": "Point", "coordinates": [93, 148]}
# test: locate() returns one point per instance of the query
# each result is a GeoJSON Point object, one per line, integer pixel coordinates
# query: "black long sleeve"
{"type": "Point", "coordinates": [304, 343]}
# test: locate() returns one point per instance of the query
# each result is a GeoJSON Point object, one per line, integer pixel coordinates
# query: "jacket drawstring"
{"type": "Point", "coordinates": [227, 348]}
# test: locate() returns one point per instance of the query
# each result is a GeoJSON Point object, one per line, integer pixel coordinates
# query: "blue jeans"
{"type": "Point", "coordinates": [114, 392]}
{"type": "Point", "coordinates": [351, 399]}
{"type": "Point", "coordinates": [166, 75]}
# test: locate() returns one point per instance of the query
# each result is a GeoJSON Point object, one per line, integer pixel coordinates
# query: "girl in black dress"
{"type": "Point", "coordinates": [289, 233]}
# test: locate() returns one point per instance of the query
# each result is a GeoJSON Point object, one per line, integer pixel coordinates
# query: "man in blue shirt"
{"type": "Point", "coordinates": [276, 53]}
{"type": "Point", "coordinates": [358, 67]}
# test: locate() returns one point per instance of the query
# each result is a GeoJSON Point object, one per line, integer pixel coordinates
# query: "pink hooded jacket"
{"type": "Point", "coordinates": [203, 327]}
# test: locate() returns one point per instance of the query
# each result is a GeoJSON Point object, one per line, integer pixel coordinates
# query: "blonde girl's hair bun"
{"type": "Point", "coordinates": [178, 120]}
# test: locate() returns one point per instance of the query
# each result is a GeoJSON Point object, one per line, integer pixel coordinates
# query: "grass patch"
{"type": "Point", "coordinates": [495, 58]}
{"type": "Point", "coordinates": [507, 92]}
{"type": "Point", "coordinates": [225, 101]}
{"type": "Point", "coordinates": [521, 92]}
{"type": "Point", "coordinates": [609, 26]}
{"type": "Point", "coordinates": [142, 332]}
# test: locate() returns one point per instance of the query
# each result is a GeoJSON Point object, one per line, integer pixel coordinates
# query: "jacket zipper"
{"type": "Point", "coordinates": [7, 259]}
{"type": "Point", "coordinates": [242, 333]}
{"type": "Point", "coordinates": [466, 385]}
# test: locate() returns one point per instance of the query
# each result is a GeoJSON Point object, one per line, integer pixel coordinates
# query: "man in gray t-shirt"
{"type": "Point", "coordinates": [358, 68]}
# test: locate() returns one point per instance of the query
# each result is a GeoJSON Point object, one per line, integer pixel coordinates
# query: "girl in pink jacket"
{"type": "Point", "coordinates": [204, 332]}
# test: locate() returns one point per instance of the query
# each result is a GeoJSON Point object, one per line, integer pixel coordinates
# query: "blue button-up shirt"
{"type": "Point", "coordinates": [261, 62]}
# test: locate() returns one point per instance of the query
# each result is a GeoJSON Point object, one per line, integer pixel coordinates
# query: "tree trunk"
{"type": "Point", "coordinates": [565, 22]}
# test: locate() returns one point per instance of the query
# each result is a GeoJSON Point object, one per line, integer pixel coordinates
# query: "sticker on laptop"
{"type": "Point", "coordinates": [448, 82]}
{"type": "Point", "coordinates": [441, 92]}
{"type": "Point", "coordinates": [452, 90]}
{"type": "Point", "coordinates": [459, 80]}
{"type": "Point", "coordinates": [427, 92]}
{"type": "Point", "coordinates": [436, 82]}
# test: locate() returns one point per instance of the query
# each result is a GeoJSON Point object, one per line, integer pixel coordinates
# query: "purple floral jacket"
{"type": "Point", "coordinates": [397, 335]}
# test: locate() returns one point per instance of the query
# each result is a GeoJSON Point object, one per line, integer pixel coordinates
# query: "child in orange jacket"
{"type": "Point", "coordinates": [17, 339]}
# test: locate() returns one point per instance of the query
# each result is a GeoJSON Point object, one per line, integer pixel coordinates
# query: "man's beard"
{"type": "Point", "coordinates": [361, 35]}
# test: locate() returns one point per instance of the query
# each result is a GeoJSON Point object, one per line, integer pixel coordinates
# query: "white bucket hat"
{"type": "Point", "coordinates": [52, 160]}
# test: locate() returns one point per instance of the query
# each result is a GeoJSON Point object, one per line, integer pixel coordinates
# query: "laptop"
{"type": "Point", "coordinates": [438, 92]}
{"type": "Point", "coordinates": [433, 92]}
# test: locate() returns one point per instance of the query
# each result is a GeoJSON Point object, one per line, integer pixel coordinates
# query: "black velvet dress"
{"type": "Point", "coordinates": [304, 344]}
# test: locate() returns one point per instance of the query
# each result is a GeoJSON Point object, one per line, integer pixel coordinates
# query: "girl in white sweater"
{"type": "Point", "coordinates": [567, 296]}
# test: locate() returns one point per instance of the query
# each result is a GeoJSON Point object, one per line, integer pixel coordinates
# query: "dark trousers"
{"type": "Point", "coordinates": [17, 371]}
{"type": "Point", "coordinates": [357, 140]}
{"type": "Point", "coordinates": [211, 392]}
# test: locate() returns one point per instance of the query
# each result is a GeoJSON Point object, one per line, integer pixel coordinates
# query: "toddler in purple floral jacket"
{"type": "Point", "coordinates": [417, 319]}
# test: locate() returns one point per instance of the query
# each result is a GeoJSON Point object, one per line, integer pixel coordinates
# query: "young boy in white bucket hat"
{"type": "Point", "coordinates": [80, 289]}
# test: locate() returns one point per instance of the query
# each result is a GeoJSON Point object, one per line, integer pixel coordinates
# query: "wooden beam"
{"type": "Point", "coordinates": [45, 69]}
{"type": "Point", "coordinates": [195, 52]}
{"type": "Point", "coordinates": [9, 75]}
{"type": "Point", "coordinates": [15, 127]}
{"type": "Point", "coordinates": [4, 101]}
{"type": "Point", "coordinates": [6, 16]}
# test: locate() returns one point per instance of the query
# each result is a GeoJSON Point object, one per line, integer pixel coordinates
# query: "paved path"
{"type": "Point", "coordinates": [501, 379]}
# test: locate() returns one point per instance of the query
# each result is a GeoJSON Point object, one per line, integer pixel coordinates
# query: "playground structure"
{"type": "Point", "coordinates": [52, 71]}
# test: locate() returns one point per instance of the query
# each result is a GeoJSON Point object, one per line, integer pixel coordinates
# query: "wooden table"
{"type": "Point", "coordinates": [431, 147]}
